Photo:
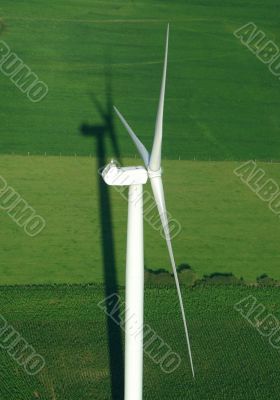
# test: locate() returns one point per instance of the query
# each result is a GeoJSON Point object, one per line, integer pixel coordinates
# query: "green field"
{"type": "Point", "coordinates": [65, 325]}
{"type": "Point", "coordinates": [221, 101]}
{"type": "Point", "coordinates": [225, 227]}
{"type": "Point", "coordinates": [222, 104]}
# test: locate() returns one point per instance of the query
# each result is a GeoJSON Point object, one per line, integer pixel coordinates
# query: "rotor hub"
{"type": "Point", "coordinates": [154, 174]}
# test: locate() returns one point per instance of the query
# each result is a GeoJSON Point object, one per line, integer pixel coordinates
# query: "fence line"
{"type": "Point", "coordinates": [131, 156]}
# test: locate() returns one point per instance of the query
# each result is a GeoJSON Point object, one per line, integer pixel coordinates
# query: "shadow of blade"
{"type": "Point", "coordinates": [108, 118]}
{"type": "Point", "coordinates": [100, 133]}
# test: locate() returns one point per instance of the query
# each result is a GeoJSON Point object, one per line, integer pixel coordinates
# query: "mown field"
{"type": "Point", "coordinates": [66, 326]}
{"type": "Point", "coordinates": [221, 101]}
{"type": "Point", "coordinates": [225, 227]}
{"type": "Point", "coordinates": [221, 104]}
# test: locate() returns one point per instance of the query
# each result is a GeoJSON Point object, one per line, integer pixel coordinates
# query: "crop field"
{"type": "Point", "coordinates": [66, 326]}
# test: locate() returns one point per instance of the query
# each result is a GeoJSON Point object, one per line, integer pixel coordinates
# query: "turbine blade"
{"type": "Point", "coordinates": [140, 147]}
{"type": "Point", "coordinates": [155, 160]}
{"type": "Point", "coordinates": [157, 188]}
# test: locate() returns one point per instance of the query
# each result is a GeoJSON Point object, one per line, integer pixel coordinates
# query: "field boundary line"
{"type": "Point", "coordinates": [133, 157]}
{"type": "Point", "coordinates": [107, 21]}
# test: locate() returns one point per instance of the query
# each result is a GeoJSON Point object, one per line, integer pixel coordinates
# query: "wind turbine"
{"type": "Point", "coordinates": [135, 178]}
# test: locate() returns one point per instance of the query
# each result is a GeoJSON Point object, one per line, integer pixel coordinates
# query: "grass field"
{"type": "Point", "coordinates": [65, 325]}
{"type": "Point", "coordinates": [221, 102]}
{"type": "Point", "coordinates": [225, 227]}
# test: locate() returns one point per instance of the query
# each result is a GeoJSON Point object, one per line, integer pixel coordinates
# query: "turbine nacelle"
{"type": "Point", "coordinates": [114, 175]}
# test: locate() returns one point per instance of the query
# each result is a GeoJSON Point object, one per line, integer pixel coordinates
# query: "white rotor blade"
{"type": "Point", "coordinates": [157, 188]}
{"type": "Point", "coordinates": [140, 147]}
{"type": "Point", "coordinates": [155, 160]}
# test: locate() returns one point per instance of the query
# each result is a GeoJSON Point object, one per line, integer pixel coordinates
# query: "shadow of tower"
{"type": "Point", "coordinates": [100, 132]}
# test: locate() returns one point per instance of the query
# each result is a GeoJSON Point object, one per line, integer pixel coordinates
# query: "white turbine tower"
{"type": "Point", "coordinates": [135, 177]}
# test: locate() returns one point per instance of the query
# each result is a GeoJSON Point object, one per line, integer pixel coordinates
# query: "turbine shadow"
{"type": "Point", "coordinates": [100, 132]}
{"type": "Point", "coordinates": [2, 26]}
